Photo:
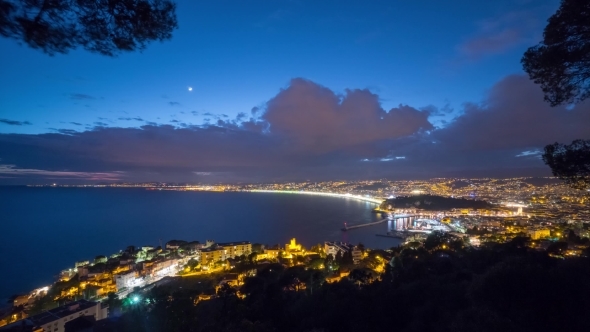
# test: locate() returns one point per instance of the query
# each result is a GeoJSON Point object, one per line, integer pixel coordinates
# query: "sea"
{"type": "Point", "coordinates": [44, 230]}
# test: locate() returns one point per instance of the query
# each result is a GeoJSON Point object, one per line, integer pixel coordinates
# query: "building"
{"type": "Point", "coordinates": [175, 244]}
{"type": "Point", "coordinates": [293, 246]}
{"type": "Point", "coordinates": [357, 255]}
{"type": "Point", "coordinates": [538, 233]}
{"type": "Point", "coordinates": [332, 248]}
{"type": "Point", "coordinates": [165, 267]}
{"type": "Point", "coordinates": [212, 255]}
{"type": "Point", "coordinates": [223, 251]}
{"type": "Point", "coordinates": [272, 252]}
{"type": "Point", "coordinates": [127, 280]}
{"type": "Point", "coordinates": [235, 249]}
{"type": "Point", "coordinates": [54, 320]}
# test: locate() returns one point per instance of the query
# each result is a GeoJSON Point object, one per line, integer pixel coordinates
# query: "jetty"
{"type": "Point", "coordinates": [347, 227]}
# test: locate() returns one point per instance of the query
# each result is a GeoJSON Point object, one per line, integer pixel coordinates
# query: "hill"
{"type": "Point", "coordinates": [431, 203]}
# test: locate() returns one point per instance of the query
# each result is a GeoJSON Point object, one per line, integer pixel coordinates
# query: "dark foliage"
{"type": "Point", "coordinates": [561, 62]}
{"type": "Point", "coordinates": [435, 203]}
{"type": "Point", "coordinates": [570, 163]}
{"type": "Point", "coordinates": [504, 288]}
{"type": "Point", "coordinates": [107, 27]}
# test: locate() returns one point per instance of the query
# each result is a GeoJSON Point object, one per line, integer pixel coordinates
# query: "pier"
{"type": "Point", "coordinates": [346, 228]}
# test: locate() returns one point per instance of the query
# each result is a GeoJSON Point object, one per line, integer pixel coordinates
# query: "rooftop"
{"type": "Point", "coordinates": [60, 312]}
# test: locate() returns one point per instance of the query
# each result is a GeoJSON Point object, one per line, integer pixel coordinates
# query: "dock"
{"type": "Point", "coordinates": [347, 228]}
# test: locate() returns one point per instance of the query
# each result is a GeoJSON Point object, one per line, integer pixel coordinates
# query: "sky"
{"type": "Point", "coordinates": [261, 91]}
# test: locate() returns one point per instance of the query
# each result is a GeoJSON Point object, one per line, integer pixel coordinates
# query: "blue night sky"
{"type": "Point", "coordinates": [417, 75]}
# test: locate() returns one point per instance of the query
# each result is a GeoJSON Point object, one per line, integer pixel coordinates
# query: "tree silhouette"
{"type": "Point", "coordinates": [107, 27]}
{"type": "Point", "coordinates": [561, 62]}
{"type": "Point", "coordinates": [570, 163]}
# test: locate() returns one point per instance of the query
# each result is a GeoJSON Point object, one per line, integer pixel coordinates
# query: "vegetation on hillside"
{"type": "Point", "coordinates": [433, 203]}
{"type": "Point", "coordinates": [441, 286]}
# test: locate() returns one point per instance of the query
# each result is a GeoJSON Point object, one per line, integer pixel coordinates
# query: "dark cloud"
{"type": "Point", "coordinates": [14, 122]}
{"type": "Point", "coordinates": [66, 131]}
{"type": "Point", "coordinates": [316, 119]}
{"type": "Point", "coordinates": [194, 113]}
{"type": "Point", "coordinates": [76, 123]}
{"type": "Point", "coordinates": [438, 111]}
{"type": "Point", "coordinates": [515, 116]}
{"type": "Point", "coordinates": [132, 119]}
{"type": "Point", "coordinates": [174, 103]}
{"type": "Point", "coordinates": [309, 132]}
{"type": "Point", "coordinates": [241, 116]}
{"type": "Point", "coordinates": [81, 96]}
{"type": "Point", "coordinates": [499, 34]}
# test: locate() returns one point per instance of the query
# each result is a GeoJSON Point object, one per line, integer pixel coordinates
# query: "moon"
{"type": "Point", "coordinates": [190, 88]}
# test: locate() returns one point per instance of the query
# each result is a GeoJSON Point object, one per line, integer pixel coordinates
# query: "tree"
{"type": "Point", "coordinates": [570, 163]}
{"type": "Point", "coordinates": [436, 239]}
{"type": "Point", "coordinates": [114, 303]}
{"type": "Point", "coordinates": [106, 27]}
{"type": "Point", "coordinates": [359, 276]}
{"type": "Point", "coordinates": [561, 62]}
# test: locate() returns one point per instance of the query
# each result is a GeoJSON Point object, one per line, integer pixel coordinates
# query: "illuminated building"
{"type": "Point", "coordinates": [54, 320]}
{"type": "Point", "coordinates": [270, 253]}
{"type": "Point", "coordinates": [292, 246]}
{"type": "Point", "coordinates": [538, 233]}
{"type": "Point", "coordinates": [223, 251]}
{"type": "Point", "coordinates": [333, 248]}
{"type": "Point", "coordinates": [127, 280]}
{"type": "Point", "coordinates": [357, 255]}
{"type": "Point", "coordinates": [212, 255]}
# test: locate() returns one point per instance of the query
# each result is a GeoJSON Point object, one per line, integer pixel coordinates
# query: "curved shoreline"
{"type": "Point", "coordinates": [319, 193]}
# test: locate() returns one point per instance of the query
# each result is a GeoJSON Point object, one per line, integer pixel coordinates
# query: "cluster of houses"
{"type": "Point", "coordinates": [135, 267]}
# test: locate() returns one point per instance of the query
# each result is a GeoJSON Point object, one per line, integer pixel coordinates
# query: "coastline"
{"type": "Point", "coordinates": [376, 201]}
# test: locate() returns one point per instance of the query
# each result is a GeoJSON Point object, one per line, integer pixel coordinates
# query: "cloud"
{"type": "Point", "coordinates": [308, 131]}
{"type": "Point", "coordinates": [64, 131]}
{"type": "Point", "coordinates": [502, 33]}
{"type": "Point", "coordinates": [529, 153]}
{"type": "Point", "coordinates": [314, 118]}
{"type": "Point", "coordinates": [10, 171]}
{"type": "Point", "coordinates": [438, 111]}
{"type": "Point", "coordinates": [76, 123]}
{"type": "Point", "coordinates": [81, 96]}
{"type": "Point", "coordinates": [515, 116]}
{"type": "Point", "coordinates": [174, 103]}
{"type": "Point", "coordinates": [131, 119]}
{"type": "Point", "coordinates": [15, 123]}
